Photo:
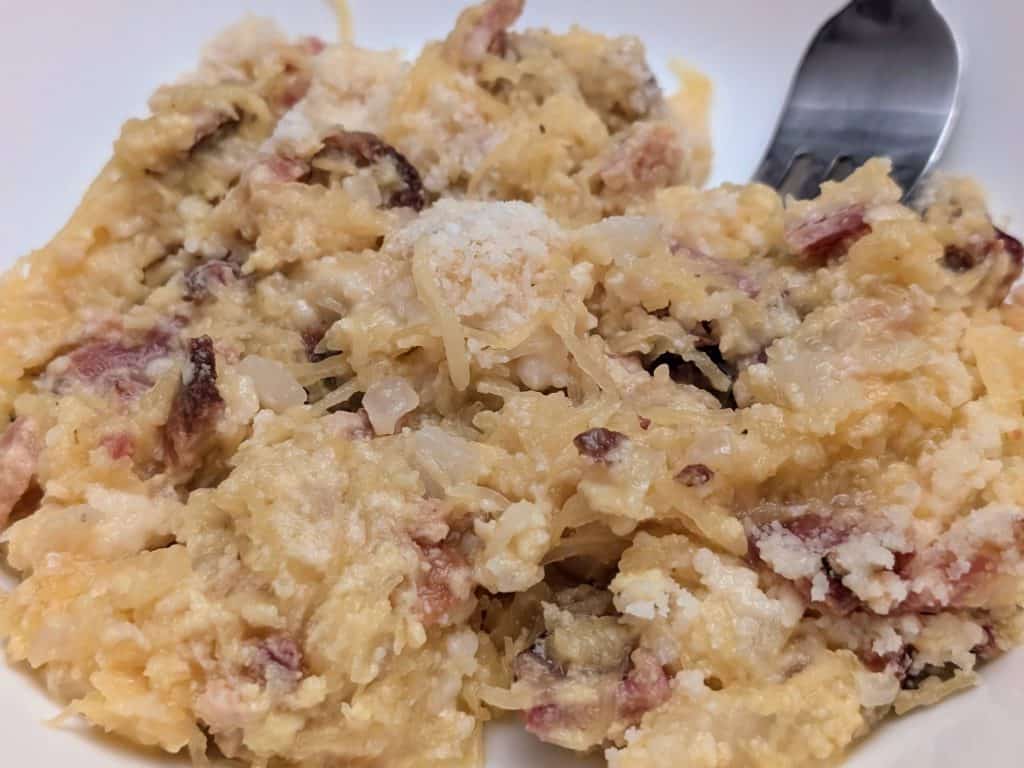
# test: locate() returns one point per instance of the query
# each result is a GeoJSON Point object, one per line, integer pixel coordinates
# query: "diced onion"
{"type": "Point", "coordinates": [387, 401]}
{"type": "Point", "coordinates": [275, 385]}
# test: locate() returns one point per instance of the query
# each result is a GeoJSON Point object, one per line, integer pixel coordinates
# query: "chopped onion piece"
{"type": "Point", "coordinates": [275, 385]}
{"type": "Point", "coordinates": [387, 401]}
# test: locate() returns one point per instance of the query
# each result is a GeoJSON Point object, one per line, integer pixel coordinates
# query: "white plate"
{"type": "Point", "coordinates": [74, 70]}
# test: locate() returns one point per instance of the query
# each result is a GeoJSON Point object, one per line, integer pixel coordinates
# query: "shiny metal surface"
{"type": "Point", "coordinates": [881, 78]}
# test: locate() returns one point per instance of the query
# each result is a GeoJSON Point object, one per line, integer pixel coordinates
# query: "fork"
{"type": "Point", "coordinates": [881, 78]}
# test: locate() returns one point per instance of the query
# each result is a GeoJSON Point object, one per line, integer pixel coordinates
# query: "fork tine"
{"type": "Point", "coordinates": [804, 177]}
{"type": "Point", "coordinates": [908, 169]}
{"type": "Point", "coordinates": [843, 166]}
{"type": "Point", "coordinates": [776, 163]}
{"type": "Point", "coordinates": [870, 83]}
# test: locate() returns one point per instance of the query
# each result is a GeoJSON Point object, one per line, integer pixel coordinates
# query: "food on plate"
{"type": "Point", "coordinates": [363, 401]}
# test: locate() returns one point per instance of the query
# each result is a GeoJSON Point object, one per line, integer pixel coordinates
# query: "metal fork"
{"type": "Point", "coordinates": [881, 78]}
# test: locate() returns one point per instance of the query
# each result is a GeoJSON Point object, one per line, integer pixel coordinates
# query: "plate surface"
{"type": "Point", "coordinates": [75, 70]}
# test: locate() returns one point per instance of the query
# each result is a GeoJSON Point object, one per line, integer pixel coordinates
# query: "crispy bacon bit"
{"type": "Point", "coordinates": [599, 443]}
{"type": "Point", "coordinates": [20, 446]}
{"type": "Point", "coordinates": [830, 236]}
{"type": "Point", "coordinates": [119, 445]}
{"type": "Point", "coordinates": [364, 150]}
{"type": "Point", "coordinates": [202, 281]}
{"type": "Point", "coordinates": [645, 687]}
{"type": "Point", "coordinates": [959, 259]}
{"type": "Point", "coordinates": [445, 584]}
{"type": "Point", "coordinates": [117, 366]}
{"type": "Point", "coordinates": [482, 29]}
{"type": "Point", "coordinates": [196, 405]}
{"type": "Point", "coordinates": [694, 475]}
{"type": "Point", "coordinates": [647, 158]}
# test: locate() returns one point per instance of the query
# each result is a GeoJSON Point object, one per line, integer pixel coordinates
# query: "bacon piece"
{"type": "Point", "coordinates": [694, 475]}
{"type": "Point", "coordinates": [958, 259]}
{"type": "Point", "coordinates": [958, 571]}
{"type": "Point", "coordinates": [599, 443]}
{"type": "Point", "coordinates": [196, 405]}
{"type": "Point", "coordinates": [1003, 252]}
{"type": "Point", "coordinates": [645, 687]}
{"type": "Point", "coordinates": [445, 584]}
{"type": "Point", "coordinates": [365, 149]}
{"type": "Point", "coordinates": [117, 366]}
{"type": "Point", "coordinates": [818, 536]}
{"type": "Point", "coordinates": [340, 152]}
{"type": "Point", "coordinates": [829, 236]}
{"type": "Point", "coordinates": [284, 651]}
{"type": "Point", "coordinates": [959, 582]}
{"type": "Point", "coordinates": [482, 29]}
{"type": "Point", "coordinates": [20, 446]}
{"type": "Point", "coordinates": [119, 445]}
{"type": "Point", "coordinates": [202, 281]}
{"type": "Point", "coordinates": [897, 663]}
{"type": "Point", "coordinates": [648, 157]}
